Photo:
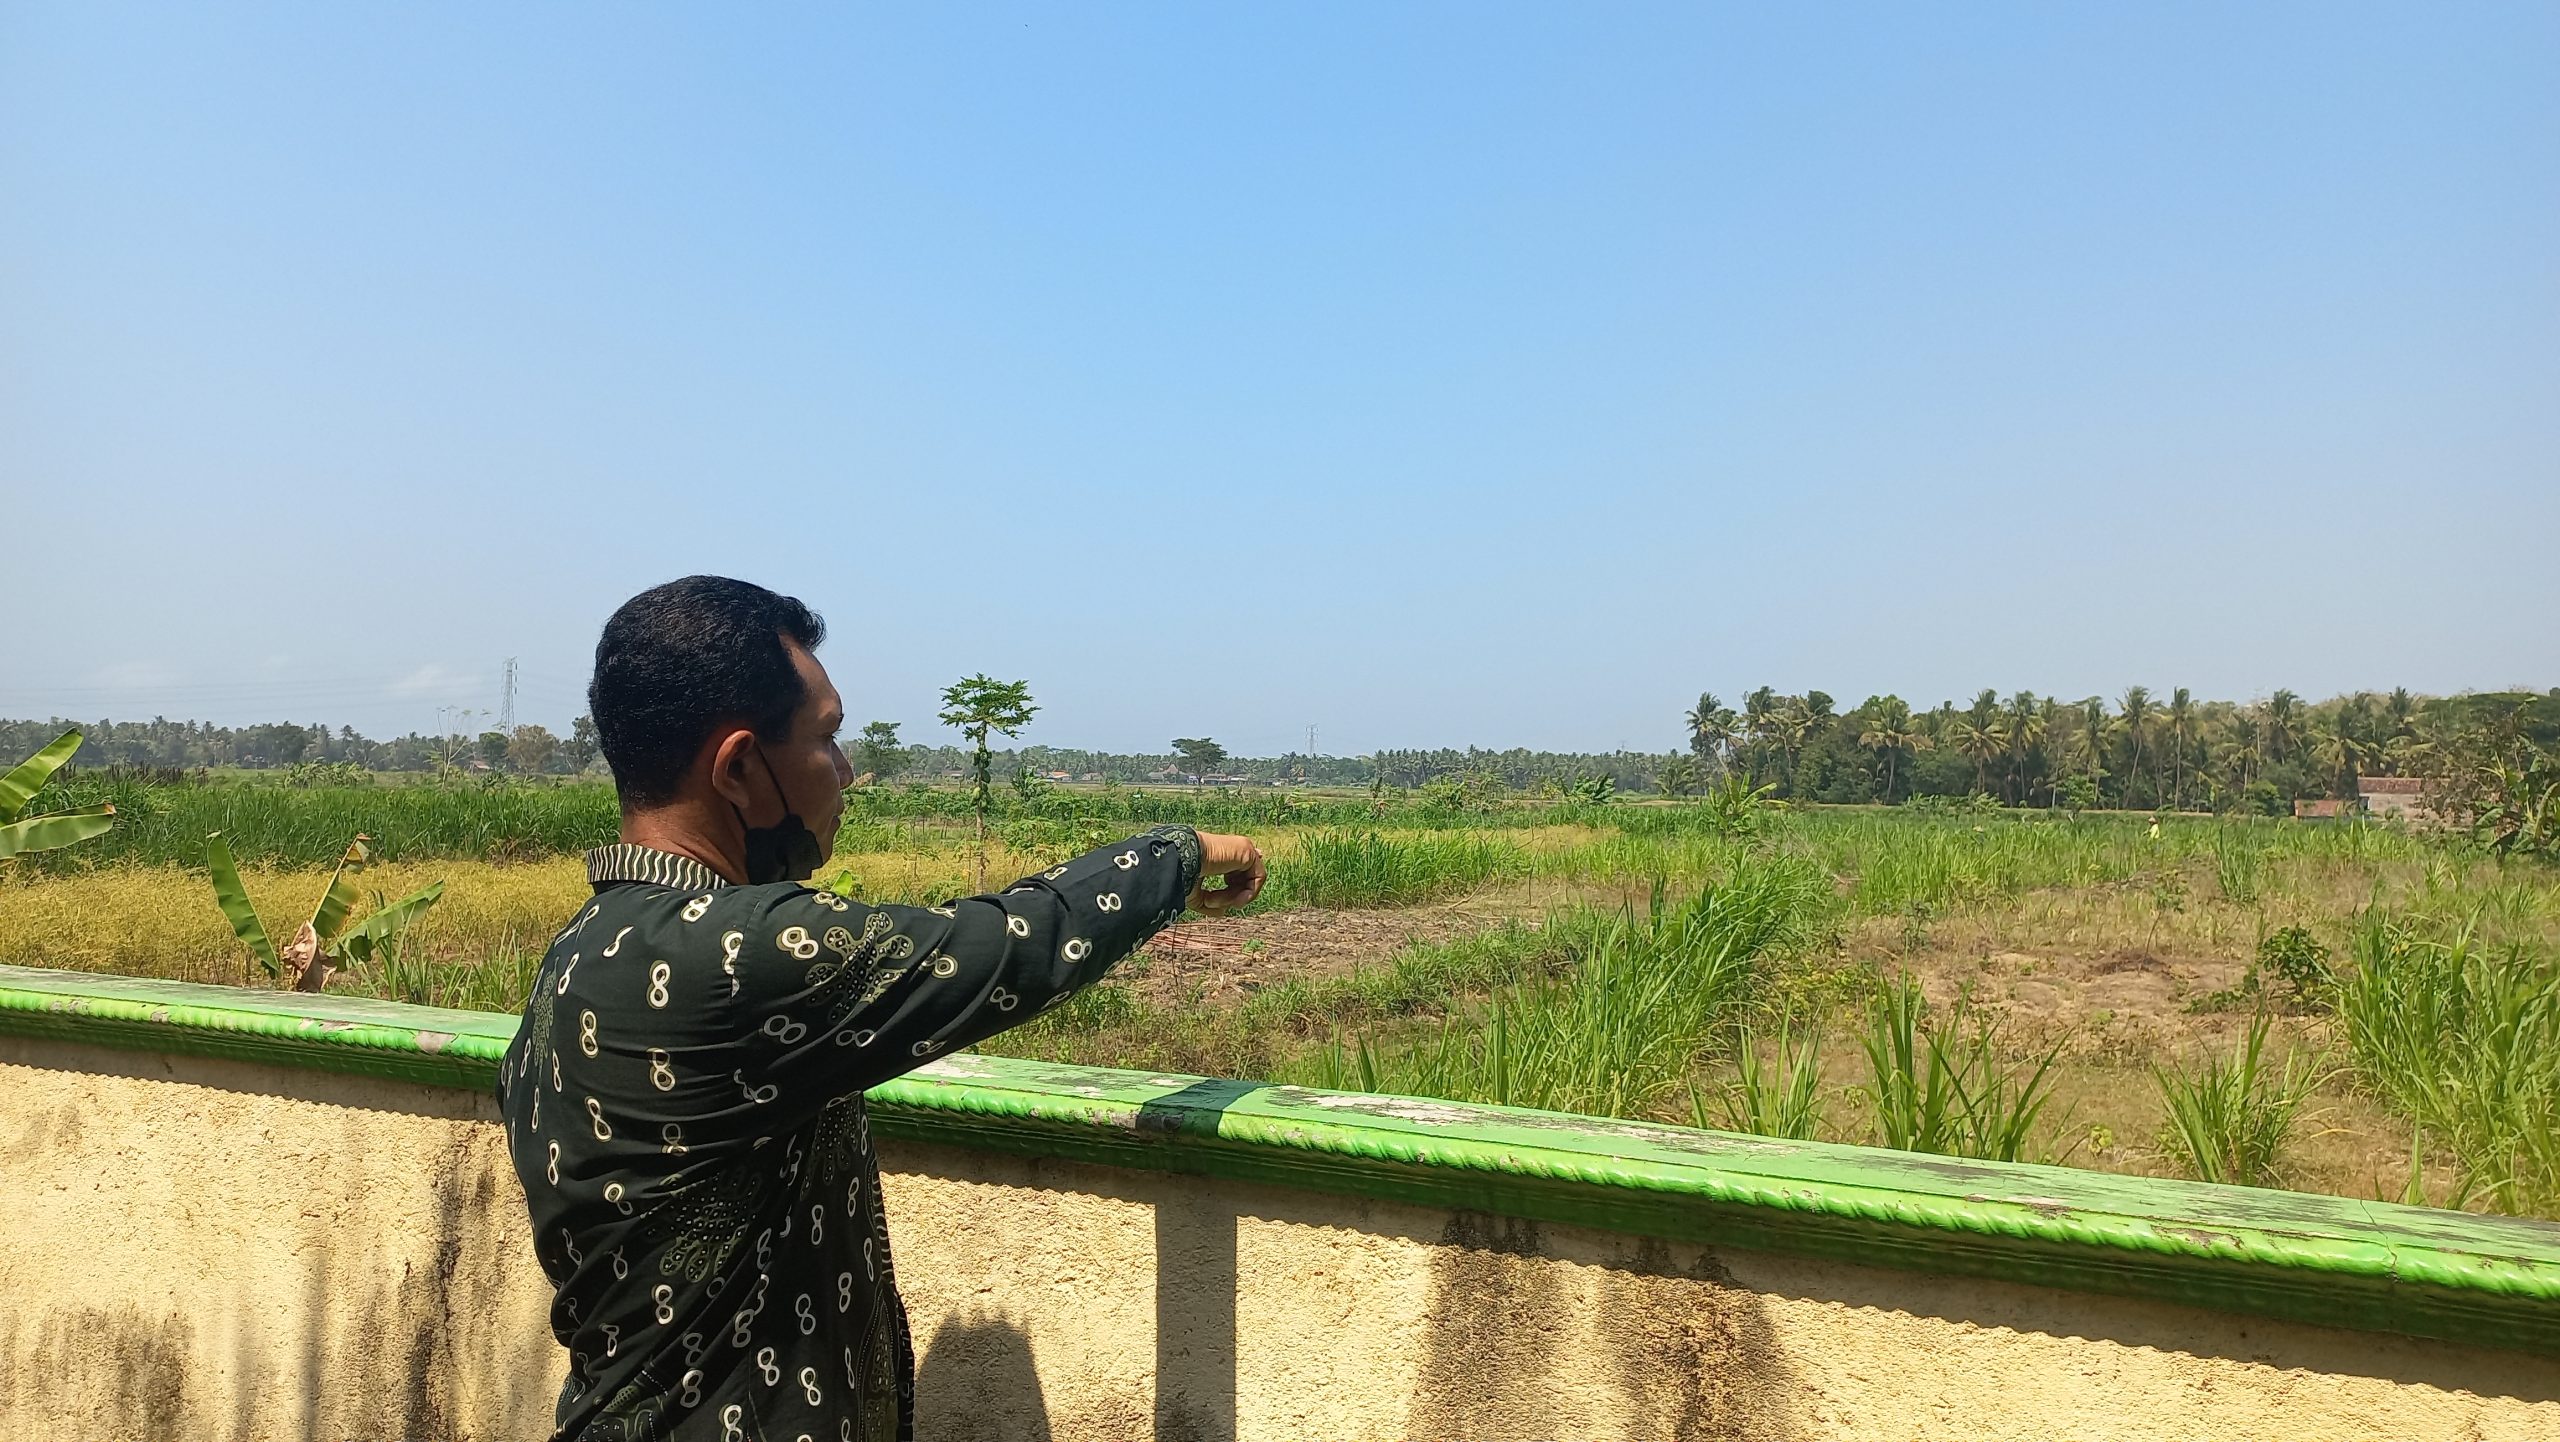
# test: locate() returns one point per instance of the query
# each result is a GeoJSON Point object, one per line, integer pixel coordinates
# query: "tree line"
{"type": "Point", "coordinates": [161, 744]}
{"type": "Point", "coordinates": [2140, 751]}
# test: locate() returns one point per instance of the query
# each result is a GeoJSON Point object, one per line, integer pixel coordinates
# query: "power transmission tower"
{"type": "Point", "coordinates": [507, 700]}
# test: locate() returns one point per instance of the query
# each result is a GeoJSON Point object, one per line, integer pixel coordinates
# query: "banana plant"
{"type": "Point", "coordinates": [324, 944]}
{"type": "Point", "coordinates": [53, 829]}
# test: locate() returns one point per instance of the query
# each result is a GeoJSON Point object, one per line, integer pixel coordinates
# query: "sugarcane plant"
{"type": "Point", "coordinates": [55, 828]}
{"type": "Point", "coordinates": [326, 943]}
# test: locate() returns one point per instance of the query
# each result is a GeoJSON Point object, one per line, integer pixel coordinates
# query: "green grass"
{"type": "Point", "coordinates": [284, 826]}
{"type": "Point", "coordinates": [2230, 1120]}
{"type": "Point", "coordinates": [1777, 1096]}
{"type": "Point", "coordinates": [1365, 868]}
{"type": "Point", "coordinates": [1943, 1083]}
{"type": "Point", "coordinates": [2462, 1036]}
{"type": "Point", "coordinates": [1618, 1029]}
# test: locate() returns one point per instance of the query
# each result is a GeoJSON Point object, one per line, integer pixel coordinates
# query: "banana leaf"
{"type": "Point", "coordinates": [340, 898]}
{"type": "Point", "coordinates": [60, 828]}
{"type": "Point", "coordinates": [367, 938]}
{"type": "Point", "coordinates": [28, 777]}
{"type": "Point", "coordinates": [234, 900]}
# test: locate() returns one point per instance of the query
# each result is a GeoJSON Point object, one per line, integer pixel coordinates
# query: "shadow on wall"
{"type": "Point", "coordinates": [977, 1383]}
{"type": "Point", "coordinates": [334, 1336]}
{"type": "Point", "coordinates": [1688, 1354]}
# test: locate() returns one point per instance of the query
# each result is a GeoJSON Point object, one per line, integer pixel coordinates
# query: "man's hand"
{"type": "Point", "coordinates": [1234, 858]}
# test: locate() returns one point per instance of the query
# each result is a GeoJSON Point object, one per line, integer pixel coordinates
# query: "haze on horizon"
{"type": "Point", "coordinates": [1435, 374]}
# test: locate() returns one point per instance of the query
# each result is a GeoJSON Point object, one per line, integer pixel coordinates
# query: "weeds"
{"type": "Point", "coordinates": [2229, 1120]}
{"type": "Point", "coordinates": [1779, 1097]}
{"type": "Point", "coordinates": [2463, 1038]}
{"type": "Point", "coordinates": [1941, 1085]}
{"type": "Point", "coordinates": [1366, 868]}
{"type": "Point", "coordinates": [1618, 1030]}
{"type": "Point", "coordinates": [2237, 866]}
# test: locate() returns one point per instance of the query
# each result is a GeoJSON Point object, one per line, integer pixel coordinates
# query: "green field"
{"type": "Point", "coordinates": [1975, 980]}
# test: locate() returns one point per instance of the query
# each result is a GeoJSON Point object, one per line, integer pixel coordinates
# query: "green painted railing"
{"type": "Point", "coordinates": [2376, 1266]}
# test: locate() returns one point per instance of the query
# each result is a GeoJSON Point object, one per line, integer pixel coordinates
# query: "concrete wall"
{"type": "Point", "coordinates": [223, 1249]}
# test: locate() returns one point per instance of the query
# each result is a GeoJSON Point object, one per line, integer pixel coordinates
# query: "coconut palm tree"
{"type": "Point", "coordinates": [1981, 738]}
{"type": "Point", "coordinates": [2282, 718]}
{"type": "Point", "coordinates": [2402, 710]}
{"type": "Point", "coordinates": [2246, 751]}
{"type": "Point", "coordinates": [1980, 734]}
{"type": "Point", "coordinates": [2093, 736]}
{"type": "Point", "coordinates": [2135, 721]}
{"type": "Point", "coordinates": [1795, 724]}
{"type": "Point", "coordinates": [2335, 749]}
{"type": "Point", "coordinates": [1759, 714]}
{"type": "Point", "coordinates": [1710, 728]}
{"type": "Point", "coordinates": [2181, 717]}
{"type": "Point", "coordinates": [1891, 732]}
{"type": "Point", "coordinates": [2026, 722]}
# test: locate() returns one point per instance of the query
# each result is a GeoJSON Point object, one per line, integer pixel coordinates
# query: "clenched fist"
{"type": "Point", "coordinates": [1236, 859]}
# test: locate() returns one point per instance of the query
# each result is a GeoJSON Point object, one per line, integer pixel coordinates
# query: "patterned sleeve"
{"type": "Point", "coordinates": [836, 997]}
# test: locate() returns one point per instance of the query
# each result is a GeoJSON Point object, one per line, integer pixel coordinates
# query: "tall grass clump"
{"type": "Point", "coordinates": [1942, 1084]}
{"type": "Point", "coordinates": [1780, 1096]}
{"type": "Point", "coordinates": [1616, 1032]}
{"type": "Point", "coordinates": [2229, 1120]}
{"type": "Point", "coordinates": [1369, 868]}
{"type": "Point", "coordinates": [2463, 1038]}
{"type": "Point", "coordinates": [2237, 865]}
{"type": "Point", "coordinates": [1944, 863]}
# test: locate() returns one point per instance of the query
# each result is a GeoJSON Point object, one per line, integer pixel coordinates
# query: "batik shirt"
{"type": "Point", "coordinates": [684, 1106]}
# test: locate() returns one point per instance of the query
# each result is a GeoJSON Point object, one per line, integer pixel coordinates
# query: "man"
{"type": "Point", "coordinates": [684, 1100]}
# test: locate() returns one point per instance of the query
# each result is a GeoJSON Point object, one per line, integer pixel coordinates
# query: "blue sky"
{"type": "Point", "coordinates": [1431, 373]}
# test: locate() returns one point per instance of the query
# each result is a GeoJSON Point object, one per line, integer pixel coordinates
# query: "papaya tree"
{"type": "Point", "coordinates": [324, 944]}
{"type": "Point", "coordinates": [975, 706]}
{"type": "Point", "coordinates": [54, 829]}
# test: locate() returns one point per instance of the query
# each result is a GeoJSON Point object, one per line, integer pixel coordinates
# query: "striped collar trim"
{"type": "Point", "coordinates": [628, 861]}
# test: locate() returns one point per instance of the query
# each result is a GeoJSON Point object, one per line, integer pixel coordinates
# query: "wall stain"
{"type": "Point", "coordinates": [1695, 1352]}
{"type": "Point", "coordinates": [144, 1392]}
{"type": "Point", "coordinates": [1488, 1364]}
{"type": "Point", "coordinates": [1685, 1352]}
{"type": "Point", "coordinates": [367, 1354]}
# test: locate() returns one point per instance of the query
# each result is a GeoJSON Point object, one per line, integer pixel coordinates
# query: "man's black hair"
{"type": "Point", "coordinates": [678, 660]}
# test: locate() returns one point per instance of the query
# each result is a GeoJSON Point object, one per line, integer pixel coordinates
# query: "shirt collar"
{"type": "Point", "coordinates": [629, 861]}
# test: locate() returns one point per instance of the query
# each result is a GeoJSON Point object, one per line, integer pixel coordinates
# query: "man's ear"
{"type": "Point", "coordinates": [734, 779]}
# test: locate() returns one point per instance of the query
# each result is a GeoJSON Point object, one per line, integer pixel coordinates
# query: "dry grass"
{"type": "Point", "coordinates": [160, 920]}
{"type": "Point", "coordinates": [2117, 961]}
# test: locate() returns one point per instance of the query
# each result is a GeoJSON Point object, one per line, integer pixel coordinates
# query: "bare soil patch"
{"type": "Point", "coordinates": [2120, 1001]}
{"type": "Point", "coordinates": [1221, 960]}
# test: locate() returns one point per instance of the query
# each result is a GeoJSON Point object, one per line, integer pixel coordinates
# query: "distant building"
{"type": "Point", "coordinates": [2320, 810]}
{"type": "Point", "coordinates": [2403, 796]}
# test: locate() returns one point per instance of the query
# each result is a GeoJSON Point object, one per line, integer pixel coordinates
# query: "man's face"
{"type": "Point", "coordinates": [809, 764]}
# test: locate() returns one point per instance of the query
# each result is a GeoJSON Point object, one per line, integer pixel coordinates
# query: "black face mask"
{"type": "Point", "coordinates": [785, 851]}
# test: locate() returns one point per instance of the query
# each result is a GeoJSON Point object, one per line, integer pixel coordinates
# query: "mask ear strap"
{"type": "Point", "coordinates": [779, 796]}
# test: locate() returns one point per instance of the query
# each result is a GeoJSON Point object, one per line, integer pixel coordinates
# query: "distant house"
{"type": "Point", "coordinates": [1060, 776]}
{"type": "Point", "coordinates": [2403, 796]}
